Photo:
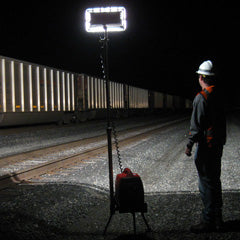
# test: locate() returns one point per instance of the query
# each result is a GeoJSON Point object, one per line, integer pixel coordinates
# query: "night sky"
{"type": "Point", "coordinates": [160, 50]}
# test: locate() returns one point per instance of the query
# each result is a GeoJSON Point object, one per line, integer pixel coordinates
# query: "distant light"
{"type": "Point", "coordinates": [112, 18]}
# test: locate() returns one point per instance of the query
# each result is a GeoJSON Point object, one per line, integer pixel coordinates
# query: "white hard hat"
{"type": "Point", "coordinates": [206, 68]}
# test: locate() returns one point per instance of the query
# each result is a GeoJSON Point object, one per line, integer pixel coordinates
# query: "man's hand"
{"type": "Point", "coordinates": [188, 151]}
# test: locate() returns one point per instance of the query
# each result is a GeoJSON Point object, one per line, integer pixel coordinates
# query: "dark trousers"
{"type": "Point", "coordinates": [208, 164]}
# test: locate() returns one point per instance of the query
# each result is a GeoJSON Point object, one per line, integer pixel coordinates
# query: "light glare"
{"type": "Point", "coordinates": [121, 26]}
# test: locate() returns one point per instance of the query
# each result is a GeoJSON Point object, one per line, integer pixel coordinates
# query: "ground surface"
{"type": "Point", "coordinates": [74, 204]}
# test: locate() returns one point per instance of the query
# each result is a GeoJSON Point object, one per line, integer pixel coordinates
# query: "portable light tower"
{"type": "Point", "coordinates": [104, 20]}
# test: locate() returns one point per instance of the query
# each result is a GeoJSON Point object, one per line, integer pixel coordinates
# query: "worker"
{"type": "Point", "coordinates": [208, 131]}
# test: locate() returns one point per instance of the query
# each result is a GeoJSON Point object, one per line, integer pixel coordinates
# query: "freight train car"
{"type": "Point", "coordinates": [32, 93]}
{"type": "Point", "coordinates": [91, 100]}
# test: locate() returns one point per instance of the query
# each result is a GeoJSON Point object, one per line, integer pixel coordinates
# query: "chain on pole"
{"type": "Point", "coordinates": [111, 122]}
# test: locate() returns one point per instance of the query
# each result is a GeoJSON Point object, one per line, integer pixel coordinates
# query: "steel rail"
{"type": "Point", "coordinates": [19, 157]}
{"type": "Point", "coordinates": [65, 162]}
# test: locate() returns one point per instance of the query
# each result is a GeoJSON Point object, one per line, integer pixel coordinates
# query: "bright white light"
{"type": "Point", "coordinates": [92, 26]}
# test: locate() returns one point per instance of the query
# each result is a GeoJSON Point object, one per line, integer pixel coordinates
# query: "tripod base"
{"type": "Point", "coordinates": [134, 222]}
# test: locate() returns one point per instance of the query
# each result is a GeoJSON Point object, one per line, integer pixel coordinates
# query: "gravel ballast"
{"type": "Point", "coordinates": [74, 204]}
{"type": "Point", "coordinates": [62, 211]}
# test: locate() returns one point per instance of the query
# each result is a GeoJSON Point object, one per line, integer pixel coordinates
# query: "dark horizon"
{"type": "Point", "coordinates": [160, 50]}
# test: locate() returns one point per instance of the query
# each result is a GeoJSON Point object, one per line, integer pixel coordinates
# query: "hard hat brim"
{"type": "Point", "coordinates": [201, 72]}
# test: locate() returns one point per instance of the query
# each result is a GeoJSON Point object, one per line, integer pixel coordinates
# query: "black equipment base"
{"type": "Point", "coordinates": [134, 221]}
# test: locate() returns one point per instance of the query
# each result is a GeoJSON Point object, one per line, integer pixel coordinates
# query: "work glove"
{"type": "Point", "coordinates": [188, 150]}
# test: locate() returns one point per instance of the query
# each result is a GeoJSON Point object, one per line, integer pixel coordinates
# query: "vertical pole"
{"type": "Point", "coordinates": [109, 127]}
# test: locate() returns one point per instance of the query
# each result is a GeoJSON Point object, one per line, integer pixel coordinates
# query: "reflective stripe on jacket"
{"type": "Point", "coordinates": [208, 122]}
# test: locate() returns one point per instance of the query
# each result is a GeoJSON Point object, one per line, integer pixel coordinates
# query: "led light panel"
{"type": "Point", "coordinates": [113, 19]}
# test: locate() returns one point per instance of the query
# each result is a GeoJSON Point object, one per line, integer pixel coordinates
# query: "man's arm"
{"type": "Point", "coordinates": [197, 123]}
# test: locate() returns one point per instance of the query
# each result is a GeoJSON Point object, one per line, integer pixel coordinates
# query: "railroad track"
{"type": "Point", "coordinates": [26, 166]}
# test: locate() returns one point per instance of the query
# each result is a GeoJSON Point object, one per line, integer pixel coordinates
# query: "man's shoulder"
{"type": "Point", "coordinates": [199, 98]}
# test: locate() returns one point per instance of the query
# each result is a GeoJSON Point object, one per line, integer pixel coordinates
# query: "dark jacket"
{"type": "Point", "coordinates": [208, 121]}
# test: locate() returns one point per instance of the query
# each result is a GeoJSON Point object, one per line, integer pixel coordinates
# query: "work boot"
{"type": "Point", "coordinates": [203, 227]}
{"type": "Point", "coordinates": [219, 225]}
